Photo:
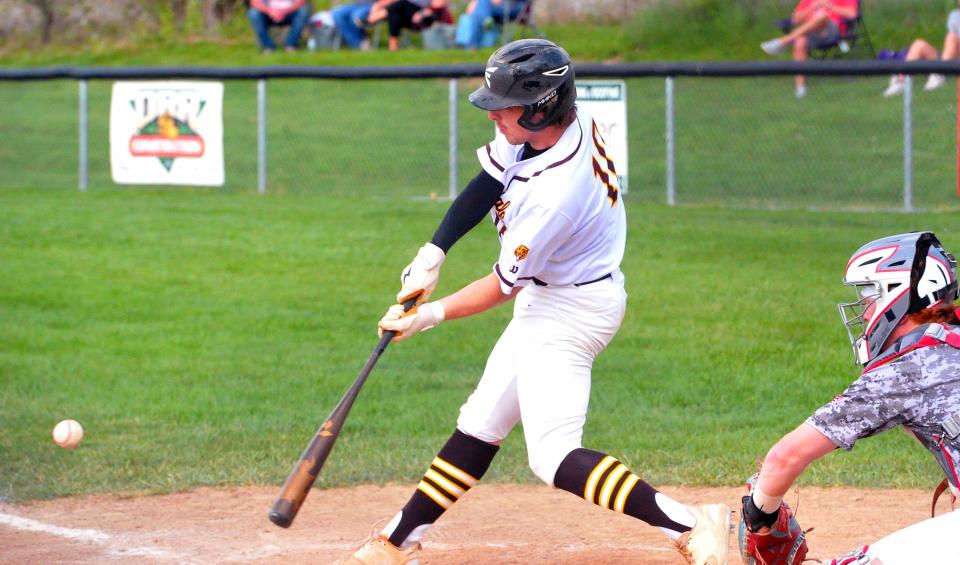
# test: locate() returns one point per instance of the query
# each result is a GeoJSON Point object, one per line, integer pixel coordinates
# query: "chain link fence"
{"type": "Point", "coordinates": [741, 140]}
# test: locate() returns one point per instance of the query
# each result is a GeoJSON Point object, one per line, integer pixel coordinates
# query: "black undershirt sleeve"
{"type": "Point", "coordinates": [468, 208]}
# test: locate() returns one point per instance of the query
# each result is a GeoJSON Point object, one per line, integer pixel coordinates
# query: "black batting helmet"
{"type": "Point", "coordinates": [533, 73]}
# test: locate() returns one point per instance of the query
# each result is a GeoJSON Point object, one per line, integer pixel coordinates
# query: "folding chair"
{"type": "Point", "coordinates": [856, 34]}
{"type": "Point", "coordinates": [523, 20]}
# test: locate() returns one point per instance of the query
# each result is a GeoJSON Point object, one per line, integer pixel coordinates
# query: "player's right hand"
{"type": "Point", "coordinates": [417, 319]}
{"type": "Point", "coordinates": [421, 275]}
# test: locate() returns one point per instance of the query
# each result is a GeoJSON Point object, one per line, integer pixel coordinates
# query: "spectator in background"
{"type": "Point", "coordinates": [378, 12]}
{"type": "Point", "coordinates": [264, 14]}
{"type": "Point", "coordinates": [407, 14]}
{"type": "Point", "coordinates": [350, 20]}
{"type": "Point", "coordinates": [817, 22]}
{"type": "Point", "coordinates": [920, 50]}
{"type": "Point", "coordinates": [480, 13]}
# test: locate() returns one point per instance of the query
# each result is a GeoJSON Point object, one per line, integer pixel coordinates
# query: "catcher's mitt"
{"type": "Point", "coordinates": [784, 544]}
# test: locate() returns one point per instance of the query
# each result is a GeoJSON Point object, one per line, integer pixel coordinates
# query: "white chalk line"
{"type": "Point", "coordinates": [85, 535]}
{"type": "Point", "coordinates": [69, 533]}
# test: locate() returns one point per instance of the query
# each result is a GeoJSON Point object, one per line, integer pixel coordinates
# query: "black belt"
{"type": "Point", "coordinates": [539, 282]}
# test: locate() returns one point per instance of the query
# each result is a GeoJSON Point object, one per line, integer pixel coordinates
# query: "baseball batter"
{"type": "Point", "coordinates": [551, 189]}
{"type": "Point", "coordinates": [905, 330]}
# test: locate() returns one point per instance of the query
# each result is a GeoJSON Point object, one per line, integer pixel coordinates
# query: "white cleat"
{"type": "Point", "coordinates": [377, 550]}
{"type": "Point", "coordinates": [708, 543]}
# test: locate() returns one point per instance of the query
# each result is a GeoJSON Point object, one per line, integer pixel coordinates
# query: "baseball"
{"type": "Point", "coordinates": [68, 433]}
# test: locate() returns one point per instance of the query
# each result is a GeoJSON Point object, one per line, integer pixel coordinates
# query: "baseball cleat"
{"type": "Point", "coordinates": [708, 543]}
{"type": "Point", "coordinates": [377, 550]}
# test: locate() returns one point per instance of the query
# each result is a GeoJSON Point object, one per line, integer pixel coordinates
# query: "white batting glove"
{"type": "Point", "coordinates": [417, 319]}
{"type": "Point", "coordinates": [422, 274]}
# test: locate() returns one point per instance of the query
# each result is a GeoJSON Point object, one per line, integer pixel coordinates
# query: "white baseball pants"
{"type": "Point", "coordinates": [539, 370]}
{"type": "Point", "coordinates": [931, 541]}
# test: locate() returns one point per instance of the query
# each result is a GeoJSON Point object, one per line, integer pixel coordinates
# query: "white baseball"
{"type": "Point", "coordinates": [68, 433]}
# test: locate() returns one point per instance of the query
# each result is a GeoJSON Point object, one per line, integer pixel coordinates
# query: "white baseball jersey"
{"type": "Point", "coordinates": [561, 223]}
{"type": "Point", "coordinates": [560, 219]}
{"type": "Point", "coordinates": [930, 541]}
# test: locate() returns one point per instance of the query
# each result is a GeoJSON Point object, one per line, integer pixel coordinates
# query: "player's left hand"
{"type": "Point", "coordinates": [417, 319]}
{"type": "Point", "coordinates": [783, 543]}
{"type": "Point", "coordinates": [421, 275]}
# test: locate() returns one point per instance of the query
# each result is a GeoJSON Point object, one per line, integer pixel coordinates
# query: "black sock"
{"type": "Point", "coordinates": [459, 465]}
{"type": "Point", "coordinates": [604, 481]}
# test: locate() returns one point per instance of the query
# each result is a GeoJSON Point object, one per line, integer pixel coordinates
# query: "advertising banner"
{"type": "Point", "coordinates": [167, 132]}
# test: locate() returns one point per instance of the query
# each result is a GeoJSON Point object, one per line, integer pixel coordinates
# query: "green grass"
{"type": "Point", "coordinates": [668, 30]}
{"type": "Point", "coordinates": [743, 141]}
{"type": "Point", "coordinates": [201, 337]}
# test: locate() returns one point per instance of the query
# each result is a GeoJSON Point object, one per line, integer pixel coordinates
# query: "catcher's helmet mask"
{"type": "Point", "coordinates": [897, 276]}
{"type": "Point", "coordinates": [535, 74]}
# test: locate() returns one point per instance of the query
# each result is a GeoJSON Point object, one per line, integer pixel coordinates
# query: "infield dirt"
{"type": "Point", "coordinates": [495, 524]}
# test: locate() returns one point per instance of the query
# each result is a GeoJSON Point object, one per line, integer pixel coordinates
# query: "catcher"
{"type": "Point", "coordinates": [905, 331]}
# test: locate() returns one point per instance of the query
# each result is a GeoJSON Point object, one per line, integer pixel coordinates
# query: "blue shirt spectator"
{"type": "Point", "coordinates": [479, 12]}
{"type": "Point", "coordinates": [351, 21]}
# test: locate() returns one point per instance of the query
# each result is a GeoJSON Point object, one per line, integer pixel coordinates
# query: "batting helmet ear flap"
{"type": "Point", "coordinates": [551, 108]}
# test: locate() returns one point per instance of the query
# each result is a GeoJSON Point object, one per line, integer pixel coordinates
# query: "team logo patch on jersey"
{"type": "Point", "coordinates": [521, 252]}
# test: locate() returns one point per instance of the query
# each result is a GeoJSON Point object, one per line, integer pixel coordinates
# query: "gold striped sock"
{"type": "Point", "coordinates": [624, 492]}
{"type": "Point", "coordinates": [594, 477]}
{"type": "Point", "coordinates": [445, 483]}
{"type": "Point", "coordinates": [609, 484]}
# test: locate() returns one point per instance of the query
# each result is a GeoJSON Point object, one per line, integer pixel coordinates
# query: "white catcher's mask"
{"type": "Point", "coordinates": [896, 275]}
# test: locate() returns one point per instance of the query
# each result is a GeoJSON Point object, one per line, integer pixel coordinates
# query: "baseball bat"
{"type": "Point", "coordinates": [306, 469]}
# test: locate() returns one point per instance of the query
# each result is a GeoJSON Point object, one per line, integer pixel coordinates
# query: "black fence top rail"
{"type": "Point", "coordinates": [622, 70]}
